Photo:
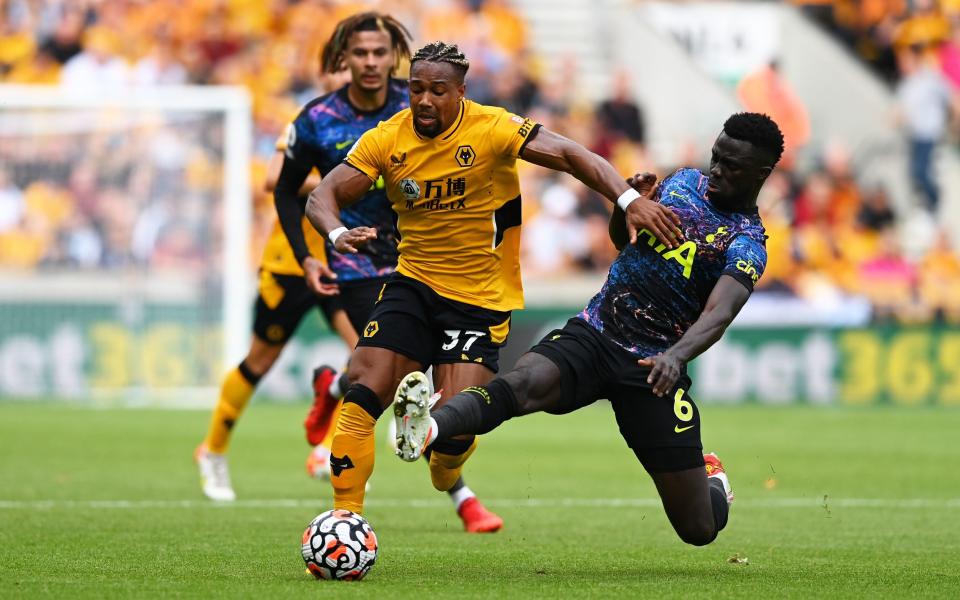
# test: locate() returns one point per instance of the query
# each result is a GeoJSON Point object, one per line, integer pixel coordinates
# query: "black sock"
{"type": "Point", "coordinates": [476, 410]}
{"type": "Point", "coordinates": [248, 374]}
{"type": "Point", "coordinates": [718, 498]}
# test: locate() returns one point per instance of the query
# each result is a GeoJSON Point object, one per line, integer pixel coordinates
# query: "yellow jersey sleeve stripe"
{"type": "Point", "coordinates": [509, 132]}
{"type": "Point", "coordinates": [533, 133]}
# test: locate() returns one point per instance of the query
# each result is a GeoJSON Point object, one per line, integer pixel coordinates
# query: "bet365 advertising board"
{"type": "Point", "coordinates": [85, 352]}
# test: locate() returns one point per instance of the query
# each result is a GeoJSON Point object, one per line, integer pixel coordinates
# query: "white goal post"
{"type": "Point", "coordinates": [75, 269]}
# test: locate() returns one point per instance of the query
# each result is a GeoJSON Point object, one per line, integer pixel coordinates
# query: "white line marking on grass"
{"type": "Point", "coordinates": [832, 503]}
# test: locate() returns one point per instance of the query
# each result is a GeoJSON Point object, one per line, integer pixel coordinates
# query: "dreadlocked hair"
{"type": "Point", "coordinates": [443, 52]}
{"type": "Point", "coordinates": [758, 129]}
{"type": "Point", "coordinates": [331, 59]}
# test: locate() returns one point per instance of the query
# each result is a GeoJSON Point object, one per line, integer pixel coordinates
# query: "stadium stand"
{"type": "Point", "coordinates": [830, 235]}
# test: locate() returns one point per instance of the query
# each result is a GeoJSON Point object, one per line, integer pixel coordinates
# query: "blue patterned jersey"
{"type": "Point", "coordinates": [320, 137]}
{"type": "Point", "coordinates": [653, 295]}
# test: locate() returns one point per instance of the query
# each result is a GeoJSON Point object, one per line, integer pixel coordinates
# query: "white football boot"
{"type": "Point", "coordinates": [411, 410]}
{"type": "Point", "coordinates": [214, 475]}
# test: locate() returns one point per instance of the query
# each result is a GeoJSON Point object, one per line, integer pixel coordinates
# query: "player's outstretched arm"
{"type": "Point", "coordinates": [551, 150]}
{"type": "Point", "coordinates": [646, 184]}
{"type": "Point", "coordinates": [725, 301]}
{"type": "Point", "coordinates": [286, 183]}
{"type": "Point", "coordinates": [285, 186]}
{"type": "Point", "coordinates": [342, 186]}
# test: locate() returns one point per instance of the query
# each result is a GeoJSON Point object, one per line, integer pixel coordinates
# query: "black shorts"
{"type": "Point", "coordinates": [664, 432]}
{"type": "Point", "coordinates": [281, 304]}
{"type": "Point", "coordinates": [359, 297]}
{"type": "Point", "coordinates": [413, 320]}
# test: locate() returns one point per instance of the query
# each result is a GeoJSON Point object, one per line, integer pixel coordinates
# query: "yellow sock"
{"type": "Point", "coordinates": [328, 439]}
{"type": "Point", "coordinates": [235, 392]}
{"type": "Point", "coordinates": [351, 457]}
{"type": "Point", "coordinates": [445, 468]}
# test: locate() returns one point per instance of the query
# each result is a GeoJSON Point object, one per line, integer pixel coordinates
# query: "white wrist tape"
{"type": "Point", "coordinates": [626, 198]}
{"type": "Point", "coordinates": [333, 235]}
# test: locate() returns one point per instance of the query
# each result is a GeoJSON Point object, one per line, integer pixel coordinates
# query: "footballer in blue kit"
{"type": "Point", "coordinates": [659, 308]}
{"type": "Point", "coordinates": [652, 295]}
{"type": "Point", "coordinates": [320, 137]}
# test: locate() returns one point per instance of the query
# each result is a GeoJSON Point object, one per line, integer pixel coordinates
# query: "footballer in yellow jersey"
{"type": "Point", "coordinates": [449, 166]}
{"type": "Point", "coordinates": [298, 272]}
{"type": "Point", "coordinates": [457, 198]}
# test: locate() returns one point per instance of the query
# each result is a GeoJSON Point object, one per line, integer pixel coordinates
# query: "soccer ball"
{"type": "Point", "coordinates": [339, 544]}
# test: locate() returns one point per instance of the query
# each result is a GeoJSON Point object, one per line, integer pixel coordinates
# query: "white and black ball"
{"type": "Point", "coordinates": [339, 544]}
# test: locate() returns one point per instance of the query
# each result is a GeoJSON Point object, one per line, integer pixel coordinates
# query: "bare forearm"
{"type": "Point", "coordinates": [323, 211]}
{"type": "Point", "coordinates": [338, 189]}
{"type": "Point", "coordinates": [595, 172]}
{"type": "Point", "coordinates": [725, 301]}
{"type": "Point", "coordinates": [553, 151]}
{"type": "Point", "coordinates": [705, 332]}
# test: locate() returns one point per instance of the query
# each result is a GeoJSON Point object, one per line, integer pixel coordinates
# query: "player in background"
{"type": "Point", "coordinates": [282, 301]}
{"type": "Point", "coordinates": [371, 46]}
{"type": "Point", "coordinates": [284, 298]}
{"type": "Point", "coordinates": [658, 309]}
{"type": "Point", "coordinates": [449, 167]}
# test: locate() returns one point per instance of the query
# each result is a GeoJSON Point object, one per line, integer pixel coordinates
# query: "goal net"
{"type": "Point", "coordinates": [124, 241]}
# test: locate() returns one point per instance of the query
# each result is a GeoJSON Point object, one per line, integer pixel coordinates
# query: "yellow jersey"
{"type": "Point", "coordinates": [277, 254]}
{"type": "Point", "coordinates": [457, 198]}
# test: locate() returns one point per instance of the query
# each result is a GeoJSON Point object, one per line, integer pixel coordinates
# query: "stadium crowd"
{"type": "Point", "coordinates": [878, 30]}
{"type": "Point", "coordinates": [829, 237]}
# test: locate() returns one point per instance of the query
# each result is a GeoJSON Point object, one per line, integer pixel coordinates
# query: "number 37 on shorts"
{"type": "Point", "coordinates": [455, 337]}
{"type": "Point", "coordinates": [461, 341]}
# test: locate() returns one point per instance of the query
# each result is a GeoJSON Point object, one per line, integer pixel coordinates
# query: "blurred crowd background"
{"type": "Point", "coordinates": [830, 237]}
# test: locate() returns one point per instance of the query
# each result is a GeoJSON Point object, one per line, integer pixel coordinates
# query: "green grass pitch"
{"type": "Point", "coordinates": [830, 503]}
